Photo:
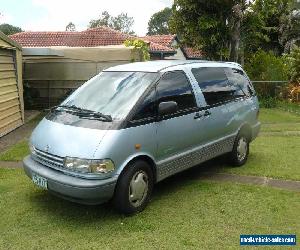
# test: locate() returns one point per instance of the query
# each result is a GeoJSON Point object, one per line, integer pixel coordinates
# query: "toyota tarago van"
{"type": "Point", "coordinates": [134, 125]}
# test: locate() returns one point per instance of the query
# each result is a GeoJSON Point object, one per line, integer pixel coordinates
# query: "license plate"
{"type": "Point", "coordinates": [39, 181]}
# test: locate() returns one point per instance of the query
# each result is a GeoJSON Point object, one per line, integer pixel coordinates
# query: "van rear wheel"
{"type": "Point", "coordinates": [240, 151]}
{"type": "Point", "coordinates": [134, 188]}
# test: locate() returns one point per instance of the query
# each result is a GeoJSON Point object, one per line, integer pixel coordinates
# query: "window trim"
{"type": "Point", "coordinates": [157, 118]}
{"type": "Point", "coordinates": [190, 85]}
{"type": "Point", "coordinates": [249, 83]}
{"type": "Point", "coordinates": [234, 98]}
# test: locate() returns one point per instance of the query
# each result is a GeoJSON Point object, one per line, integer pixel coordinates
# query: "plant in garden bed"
{"type": "Point", "coordinates": [140, 46]}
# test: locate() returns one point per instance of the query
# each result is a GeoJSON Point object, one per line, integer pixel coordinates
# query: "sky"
{"type": "Point", "coordinates": [54, 15]}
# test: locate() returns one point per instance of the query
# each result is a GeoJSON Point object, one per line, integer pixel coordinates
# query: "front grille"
{"type": "Point", "coordinates": [47, 159]}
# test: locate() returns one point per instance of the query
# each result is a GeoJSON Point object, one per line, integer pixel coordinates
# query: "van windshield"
{"type": "Point", "coordinates": [111, 93]}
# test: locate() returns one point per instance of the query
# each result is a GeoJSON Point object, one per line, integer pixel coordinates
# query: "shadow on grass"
{"type": "Point", "coordinates": [51, 205]}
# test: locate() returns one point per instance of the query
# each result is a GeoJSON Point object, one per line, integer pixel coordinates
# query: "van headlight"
{"type": "Point", "coordinates": [89, 166]}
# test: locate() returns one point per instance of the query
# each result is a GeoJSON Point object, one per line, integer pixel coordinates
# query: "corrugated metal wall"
{"type": "Point", "coordinates": [10, 107]}
{"type": "Point", "coordinates": [49, 79]}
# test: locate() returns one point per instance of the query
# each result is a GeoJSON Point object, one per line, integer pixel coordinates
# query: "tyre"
{"type": "Point", "coordinates": [240, 151]}
{"type": "Point", "coordinates": [134, 188]}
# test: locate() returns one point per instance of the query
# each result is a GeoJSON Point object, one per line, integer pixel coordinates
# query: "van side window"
{"type": "Point", "coordinates": [238, 79]}
{"type": "Point", "coordinates": [147, 109]}
{"type": "Point", "coordinates": [214, 85]}
{"type": "Point", "coordinates": [174, 86]}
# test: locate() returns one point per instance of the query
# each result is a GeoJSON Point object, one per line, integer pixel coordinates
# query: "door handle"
{"type": "Point", "coordinates": [197, 116]}
{"type": "Point", "coordinates": [207, 113]}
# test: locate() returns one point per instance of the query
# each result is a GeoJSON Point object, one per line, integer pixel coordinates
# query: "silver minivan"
{"type": "Point", "coordinates": [136, 124]}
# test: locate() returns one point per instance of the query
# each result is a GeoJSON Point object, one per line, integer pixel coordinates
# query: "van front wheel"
{"type": "Point", "coordinates": [240, 151]}
{"type": "Point", "coordinates": [134, 188]}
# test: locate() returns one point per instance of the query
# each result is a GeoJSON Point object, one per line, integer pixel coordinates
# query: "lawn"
{"type": "Point", "coordinates": [278, 116]}
{"type": "Point", "coordinates": [276, 156]}
{"type": "Point", "coordinates": [16, 152]}
{"type": "Point", "coordinates": [184, 214]}
{"type": "Point", "coordinates": [271, 156]}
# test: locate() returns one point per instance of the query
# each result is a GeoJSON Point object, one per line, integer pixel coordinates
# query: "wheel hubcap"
{"type": "Point", "coordinates": [138, 188]}
{"type": "Point", "coordinates": [242, 149]}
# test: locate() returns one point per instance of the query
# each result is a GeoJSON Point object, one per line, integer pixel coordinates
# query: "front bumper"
{"type": "Point", "coordinates": [85, 191]}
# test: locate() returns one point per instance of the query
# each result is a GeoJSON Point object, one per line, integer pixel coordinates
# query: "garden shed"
{"type": "Point", "coordinates": [52, 73]}
{"type": "Point", "coordinates": [11, 88]}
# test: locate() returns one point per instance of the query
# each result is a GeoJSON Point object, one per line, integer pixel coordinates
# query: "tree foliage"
{"type": "Point", "coordinates": [121, 22]}
{"type": "Point", "coordinates": [159, 22]}
{"type": "Point", "coordinates": [232, 29]}
{"type": "Point", "coordinates": [140, 46]}
{"type": "Point", "coordinates": [212, 26]}
{"type": "Point", "coordinates": [71, 27]}
{"type": "Point", "coordinates": [9, 29]}
{"type": "Point", "coordinates": [279, 24]}
{"type": "Point", "coordinates": [294, 63]}
{"type": "Point", "coordinates": [266, 66]}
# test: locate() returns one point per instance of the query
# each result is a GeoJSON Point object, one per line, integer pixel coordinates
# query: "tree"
{"type": "Point", "coordinates": [103, 20]}
{"type": "Point", "coordinates": [281, 24]}
{"type": "Point", "coordinates": [71, 27]}
{"type": "Point", "coordinates": [159, 22]}
{"type": "Point", "coordinates": [9, 29]}
{"type": "Point", "coordinates": [289, 28]}
{"type": "Point", "coordinates": [230, 29]}
{"type": "Point", "coordinates": [211, 26]}
{"type": "Point", "coordinates": [121, 22]}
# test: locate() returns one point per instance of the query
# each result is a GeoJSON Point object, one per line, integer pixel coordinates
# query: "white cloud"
{"type": "Point", "coordinates": [58, 13]}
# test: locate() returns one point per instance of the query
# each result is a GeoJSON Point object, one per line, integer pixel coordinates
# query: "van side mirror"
{"type": "Point", "coordinates": [166, 108]}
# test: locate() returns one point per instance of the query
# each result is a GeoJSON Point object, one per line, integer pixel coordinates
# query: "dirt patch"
{"type": "Point", "coordinates": [11, 164]}
{"type": "Point", "coordinates": [20, 133]}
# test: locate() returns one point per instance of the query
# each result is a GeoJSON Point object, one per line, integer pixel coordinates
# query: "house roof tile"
{"type": "Point", "coordinates": [100, 36]}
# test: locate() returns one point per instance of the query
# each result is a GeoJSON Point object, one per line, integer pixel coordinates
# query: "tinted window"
{"type": "Point", "coordinates": [214, 85]}
{"type": "Point", "coordinates": [239, 81]}
{"type": "Point", "coordinates": [147, 108]}
{"type": "Point", "coordinates": [174, 86]}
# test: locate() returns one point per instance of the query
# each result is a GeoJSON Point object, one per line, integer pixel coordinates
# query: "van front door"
{"type": "Point", "coordinates": [176, 132]}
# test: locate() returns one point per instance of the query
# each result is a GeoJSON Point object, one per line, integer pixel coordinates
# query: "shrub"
{"type": "Point", "coordinates": [294, 63]}
{"type": "Point", "coordinates": [140, 46]}
{"type": "Point", "coordinates": [265, 66]}
{"type": "Point", "coordinates": [268, 102]}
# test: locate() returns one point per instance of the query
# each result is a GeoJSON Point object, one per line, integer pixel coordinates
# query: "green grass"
{"type": "Point", "coordinates": [280, 127]}
{"type": "Point", "coordinates": [275, 120]}
{"type": "Point", "coordinates": [16, 153]}
{"type": "Point", "coordinates": [271, 156]}
{"type": "Point", "coordinates": [183, 214]}
{"type": "Point", "coordinates": [291, 107]}
{"type": "Point", "coordinates": [278, 116]}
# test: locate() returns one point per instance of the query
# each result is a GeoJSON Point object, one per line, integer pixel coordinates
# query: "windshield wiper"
{"type": "Point", "coordinates": [71, 107]}
{"type": "Point", "coordinates": [84, 113]}
{"type": "Point", "coordinates": [97, 115]}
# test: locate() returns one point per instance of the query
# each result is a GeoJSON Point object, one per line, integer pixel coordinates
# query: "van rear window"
{"type": "Point", "coordinates": [214, 85]}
